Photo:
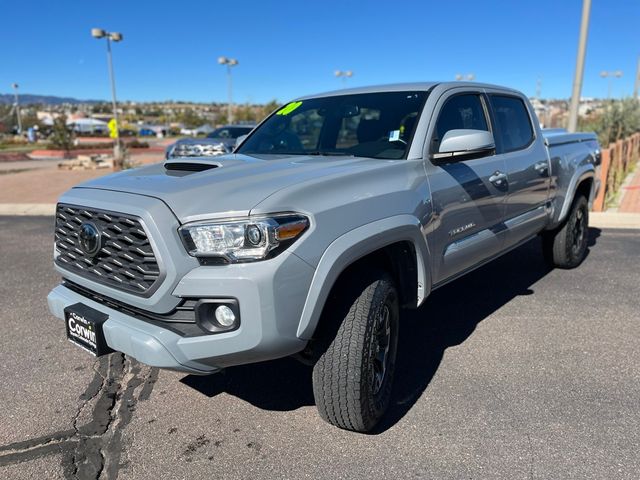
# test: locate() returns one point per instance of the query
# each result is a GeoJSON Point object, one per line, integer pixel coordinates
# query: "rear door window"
{"type": "Point", "coordinates": [513, 124]}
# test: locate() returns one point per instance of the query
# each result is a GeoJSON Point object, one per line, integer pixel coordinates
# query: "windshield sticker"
{"type": "Point", "coordinates": [394, 135]}
{"type": "Point", "coordinates": [287, 109]}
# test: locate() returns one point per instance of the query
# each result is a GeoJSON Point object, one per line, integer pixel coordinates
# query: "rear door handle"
{"type": "Point", "coordinates": [499, 179]}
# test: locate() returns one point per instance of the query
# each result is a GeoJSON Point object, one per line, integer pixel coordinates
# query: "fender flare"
{"type": "Point", "coordinates": [583, 173]}
{"type": "Point", "coordinates": [353, 245]}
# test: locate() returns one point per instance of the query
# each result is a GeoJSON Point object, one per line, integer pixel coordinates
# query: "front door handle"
{"type": "Point", "coordinates": [499, 179]}
{"type": "Point", "coordinates": [542, 168]}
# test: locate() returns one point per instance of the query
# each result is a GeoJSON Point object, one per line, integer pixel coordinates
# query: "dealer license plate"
{"type": "Point", "coordinates": [84, 328]}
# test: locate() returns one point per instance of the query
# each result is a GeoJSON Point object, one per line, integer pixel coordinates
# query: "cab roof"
{"type": "Point", "coordinates": [401, 87]}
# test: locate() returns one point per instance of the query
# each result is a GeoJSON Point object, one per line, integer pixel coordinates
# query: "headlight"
{"type": "Point", "coordinates": [243, 240]}
{"type": "Point", "coordinates": [197, 150]}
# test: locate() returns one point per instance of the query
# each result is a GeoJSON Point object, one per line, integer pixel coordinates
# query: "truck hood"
{"type": "Point", "coordinates": [234, 185]}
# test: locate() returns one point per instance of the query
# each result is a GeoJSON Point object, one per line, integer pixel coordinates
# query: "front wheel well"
{"type": "Point", "coordinates": [398, 260]}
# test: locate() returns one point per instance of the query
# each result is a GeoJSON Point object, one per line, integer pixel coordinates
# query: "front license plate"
{"type": "Point", "coordinates": [84, 328]}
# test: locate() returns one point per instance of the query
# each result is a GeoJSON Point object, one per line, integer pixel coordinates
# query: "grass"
{"type": "Point", "coordinates": [15, 170]}
{"type": "Point", "coordinates": [18, 148]}
{"type": "Point", "coordinates": [613, 200]}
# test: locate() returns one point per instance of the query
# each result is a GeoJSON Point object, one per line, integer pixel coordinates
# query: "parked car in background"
{"type": "Point", "coordinates": [220, 141]}
{"type": "Point", "coordinates": [146, 132]}
{"type": "Point", "coordinates": [126, 132]}
{"type": "Point", "coordinates": [200, 131]}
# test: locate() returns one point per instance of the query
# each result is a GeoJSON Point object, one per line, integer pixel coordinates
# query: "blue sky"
{"type": "Point", "coordinates": [291, 48]}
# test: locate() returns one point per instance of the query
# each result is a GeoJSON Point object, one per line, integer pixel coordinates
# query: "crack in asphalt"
{"type": "Point", "coordinates": [93, 450]}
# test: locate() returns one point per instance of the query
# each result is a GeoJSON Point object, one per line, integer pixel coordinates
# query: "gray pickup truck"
{"type": "Point", "coordinates": [335, 213]}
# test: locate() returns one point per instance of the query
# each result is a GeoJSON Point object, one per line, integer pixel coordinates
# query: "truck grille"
{"type": "Point", "coordinates": [125, 259]}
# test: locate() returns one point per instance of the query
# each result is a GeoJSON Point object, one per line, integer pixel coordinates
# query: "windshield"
{"type": "Point", "coordinates": [376, 125]}
{"type": "Point", "coordinates": [229, 132]}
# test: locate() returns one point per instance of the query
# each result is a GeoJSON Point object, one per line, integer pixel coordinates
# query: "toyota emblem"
{"type": "Point", "coordinates": [90, 239]}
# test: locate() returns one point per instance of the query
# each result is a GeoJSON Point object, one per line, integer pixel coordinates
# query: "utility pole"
{"type": "Point", "coordinates": [579, 74]}
{"type": "Point", "coordinates": [17, 106]}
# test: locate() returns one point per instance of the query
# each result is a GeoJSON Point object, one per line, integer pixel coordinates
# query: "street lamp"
{"type": "Point", "coordinates": [116, 37]}
{"type": "Point", "coordinates": [610, 76]}
{"type": "Point", "coordinates": [229, 62]}
{"type": "Point", "coordinates": [344, 75]}
{"type": "Point", "coordinates": [470, 77]}
{"type": "Point", "coordinates": [17, 106]}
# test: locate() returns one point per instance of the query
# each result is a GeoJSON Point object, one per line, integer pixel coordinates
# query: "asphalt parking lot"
{"type": "Point", "coordinates": [514, 371]}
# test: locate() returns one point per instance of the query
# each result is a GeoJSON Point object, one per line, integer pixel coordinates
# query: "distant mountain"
{"type": "Point", "coordinates": [28, 99]}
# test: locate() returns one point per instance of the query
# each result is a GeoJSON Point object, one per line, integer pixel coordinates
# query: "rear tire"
{"type": "Point", "coordinates": [566, 247]}
{"type": "Point", "coordinates": [352, 379]}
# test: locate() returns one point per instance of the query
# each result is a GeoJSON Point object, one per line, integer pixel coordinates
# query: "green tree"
{"type": "Point", "coordinates": [190, 118]}
{"type": "Point", "coordinates": [269, 107]}
{"type": "Point", "coordinates": [61, 136]}
{"type": "Point", "coordinates": [618, 120]}
{"type": "Point", "coordinates": [30, 119]}
{"type": "Point", "coordinates": [101, 108]}
{"type": "Point", "coordinates": [244, 113]}
{"type": "Point", "coordinates": [6, 120]}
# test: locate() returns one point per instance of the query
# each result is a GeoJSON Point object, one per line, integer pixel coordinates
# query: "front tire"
{"type": "Point", "coordinates": [566, 247]}
{"type": "Point", "coordinates": [353, 378]}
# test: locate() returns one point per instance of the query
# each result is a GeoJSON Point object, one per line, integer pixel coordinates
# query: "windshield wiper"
{"type": "Point", "coordinates": [330, 154]}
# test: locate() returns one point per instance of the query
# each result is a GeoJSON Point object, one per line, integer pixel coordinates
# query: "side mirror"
{"type": "Point", "coordinates": [463, 142]}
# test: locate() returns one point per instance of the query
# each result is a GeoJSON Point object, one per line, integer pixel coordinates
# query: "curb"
{"type": "Point", "coordinates": [28, 209]}
{"type": "Point", "coordinates": [614, 220]}
{"type": "Point", "coordinates": [596, 219]}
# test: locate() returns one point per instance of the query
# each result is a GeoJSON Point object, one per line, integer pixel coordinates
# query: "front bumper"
{"type": "Point", "coordinates": [270, 295]}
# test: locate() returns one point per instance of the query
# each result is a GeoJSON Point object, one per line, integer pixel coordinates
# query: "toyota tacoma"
{"type": "Point", "coordinates": [335, 213]}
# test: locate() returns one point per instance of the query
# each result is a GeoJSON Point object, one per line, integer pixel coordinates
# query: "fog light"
{"type": "Point", "coordinates": [217, 315]}
{"type": "Point", "coordinates": [225, 316]}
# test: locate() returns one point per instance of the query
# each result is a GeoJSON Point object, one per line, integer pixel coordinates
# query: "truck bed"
{"type": "Point", "coordinates": [559, 136]}
{"type": "Point", "coordinates": [571, 155]}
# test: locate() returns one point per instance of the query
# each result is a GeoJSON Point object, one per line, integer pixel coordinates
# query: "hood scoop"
{"type": "Point", "coordinates": [189, 167]}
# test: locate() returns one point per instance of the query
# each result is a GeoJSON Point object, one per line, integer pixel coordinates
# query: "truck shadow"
{"type": "Point", "coordinates": [448, 317]}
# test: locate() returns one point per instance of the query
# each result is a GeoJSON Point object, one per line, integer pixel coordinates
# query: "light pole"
{"type": "Point", "coordinates": [229, 62]}
{"type": "Point", "coordinates": [610, 76]}
{"type": "Point", "coordinates": [116, 37]}
{"type": "Point", "coordinates": [17, 106]}
{"type": "Point", "coordinates": [579, 74]}
{"type": "Point", "coordinates": [344, 75]}
{"type": "Point", "coordinates": [470, 77]}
